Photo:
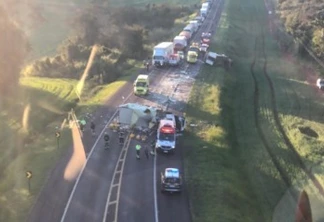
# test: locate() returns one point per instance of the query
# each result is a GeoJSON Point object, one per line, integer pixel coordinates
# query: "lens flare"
{"type": "Point", "coordinates": [80, 84]}
{"type": "Point", "coordinates": [25, 119]}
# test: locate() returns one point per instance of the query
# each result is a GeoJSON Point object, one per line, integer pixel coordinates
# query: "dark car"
{"type": "Point", "coordinates": [171, 180]}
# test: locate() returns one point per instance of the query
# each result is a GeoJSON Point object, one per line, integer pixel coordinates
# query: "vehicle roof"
{"type": "Point", "coordinates": [170, 116]}
{"type": "Point", "coordinates": [164, 122]}
{"type": "Point", "coordinates": [180, 37]}
{"type": "Point", "coordinates": [164, 44]}
{"type": "Point", "coordinates": [172, 172]}
{"type": "Point", "coordinates": [142, 76]}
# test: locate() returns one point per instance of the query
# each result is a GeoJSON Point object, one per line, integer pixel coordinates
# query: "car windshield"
{"type": "Point", "coordinates": [158, 57]}
{"type": "Point", "coordinates": [141, 84]}
{"type": "Point", "coordinates": [167, 137]}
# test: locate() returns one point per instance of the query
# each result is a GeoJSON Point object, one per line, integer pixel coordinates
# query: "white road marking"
{"type": "Point", "coordinates": [84, 166]}
{"type": "Point", "coordinates": [156, 213]}
{"type": "Point", "coordinates": [156, 209]}
{"type": "Point", "coordinates": [112, 185]}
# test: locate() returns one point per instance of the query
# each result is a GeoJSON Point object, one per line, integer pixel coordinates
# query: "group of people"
{"type": "Point", "coordinates": [121, 138]}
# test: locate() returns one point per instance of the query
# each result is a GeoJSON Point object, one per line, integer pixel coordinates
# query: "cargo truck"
{"type": "Point", "coordinates": [190, 28]}
{"type": "Point", "coordinates": [203, 12]}
{"type": "Point", "coordinates": [162, 53]}
{"type": "Point", "coordinates": [195, 24]}
{"type": "Point", "coordinates": [186, 34]}
{"type": "Point", "coordinates": [180, 43]}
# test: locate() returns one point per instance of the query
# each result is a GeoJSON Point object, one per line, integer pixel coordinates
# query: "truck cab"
{"type": "Point", "coordinates": [174, 60]}
{"type": "Point", "coordinates": [171, 180]}
{"type": "Point", "coordinates": [141, 85]}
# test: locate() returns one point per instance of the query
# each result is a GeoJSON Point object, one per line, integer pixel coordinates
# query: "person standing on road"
{"type": "Point", "coordinates": [93, 128]}
{"type": "Point", "coordinates": [121, 138]}
{"type": "Point", "coordinates": [82, 123]}
{"type": "Point", "coordinates": [106, 138]}
{"type": "Point", "coordinates": [138, 149]}
{"type": "Point", "coordinates": [146, 153]}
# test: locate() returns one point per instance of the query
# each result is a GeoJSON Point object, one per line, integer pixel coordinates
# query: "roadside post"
{"type": "Point", "coordinates": [29, 175]}
{"type": "Point", "coordinates": [58, 135]}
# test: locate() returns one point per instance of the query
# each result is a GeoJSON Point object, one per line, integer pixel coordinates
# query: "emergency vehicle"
{"type": "Point", "coordinates": [167, 131]}
{"type": "Point", "coordinates": [166, 136]}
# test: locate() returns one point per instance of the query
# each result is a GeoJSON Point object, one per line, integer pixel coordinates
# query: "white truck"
{"type": "Point", "coordinates": [180, 43]}
{"type": "Point", "coordinates": [195, 24]}
{"type": "Point", "coordinates": [190, 28]}
{"type": "Point", "coordinates": [203, 12]}
{"type": "Point", "coordinates": [162, 53]}
{"type": "Point", "coordinates": [205, 5]}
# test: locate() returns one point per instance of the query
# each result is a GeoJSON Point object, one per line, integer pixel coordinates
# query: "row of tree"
{"type": "Point", "coordinates": [119, 33]}
{"type": "Point", "coordinates": [304, 19]}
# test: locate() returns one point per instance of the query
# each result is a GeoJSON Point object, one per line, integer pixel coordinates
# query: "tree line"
{"type": "Point", "coordinates": [120, 34]}
{"type": "Point", "coordinates": [304, 19]}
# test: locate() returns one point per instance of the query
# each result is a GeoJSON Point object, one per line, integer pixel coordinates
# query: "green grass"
{"type": "Point", "coordinates": [230, 175]}
{"type": "Point", "coordinates": [49, 100]}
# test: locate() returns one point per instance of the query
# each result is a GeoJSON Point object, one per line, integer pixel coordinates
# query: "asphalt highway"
{"type": "Point", "coordinates": [114, 185]}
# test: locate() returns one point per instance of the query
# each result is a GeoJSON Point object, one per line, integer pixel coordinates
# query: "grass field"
{"type": "Point", "coordinates": [230, 174]}
{"type": "Point", "coordinates": [49, 101]}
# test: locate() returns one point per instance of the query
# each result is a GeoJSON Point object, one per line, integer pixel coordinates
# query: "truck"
{"type": "Point", "coordinates": [141, 85]}
{"type": "Point", "coordinates": [174, 60]}
{"type": "Point", "coordinates": [186, 34]}
{"type": "Point", "coordinates": [205, 5]}
{"type": "Point", "coordinates": [161, 54]}
{"type": "Point", "coordinates": [193, 53]}
{"type": "Point", "coordinates": [190, 28]}
{"type": "Point", "coordinates": [195, 24]}
{"type": "Point", "coordinates": [203, 12]}
{"type": "Point", "coordinates": [180, 43]}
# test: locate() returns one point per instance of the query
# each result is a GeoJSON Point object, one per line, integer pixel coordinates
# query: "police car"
{"type": "Point", "coordinates": [171, 180]}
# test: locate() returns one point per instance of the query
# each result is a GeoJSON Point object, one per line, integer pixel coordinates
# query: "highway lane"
{"type": "Point", "coordinates": [136, 196]}
{"type": "Point", "coordinates": [136, 201]}
{"type": "Point", "coordinates": [175, 207]}
{"type": "Point", "coordinates": [94, 184]}
{"type": "Point", "coordinates": [137, 189]}
{"type": "Point", "coordinates": [94, 198]}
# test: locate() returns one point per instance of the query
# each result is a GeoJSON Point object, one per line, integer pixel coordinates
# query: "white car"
{"type": "Point", "coordinates": [320, 84]}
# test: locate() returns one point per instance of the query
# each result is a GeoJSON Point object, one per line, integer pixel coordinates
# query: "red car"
{"type": "Point", "coordinates": [205, 37]}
